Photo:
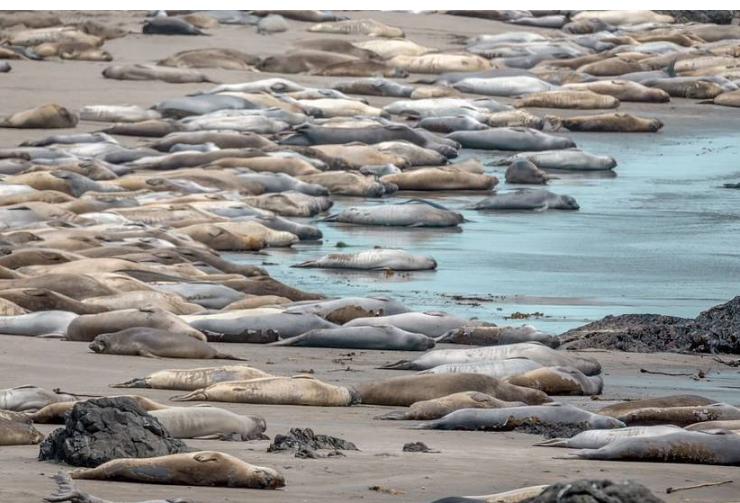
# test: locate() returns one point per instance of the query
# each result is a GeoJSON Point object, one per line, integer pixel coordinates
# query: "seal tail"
{"type": "Point", "coordinates": [399, 365]}
{"type": "Point", "coordinates": [282, 342]}
{"type": "Point", "coordinates": [425, 425]}
{"type": "Point", "coordinates": [556, 123]}
{"type": "Point", "coordinates": [671, 70]}
{"type": "Point", "coordinates": [198, 394]}
{"type": "Point", "coordinates": [330, 218]}
{"type": "Point", "coordinates": [553, 442]}
{"type": "Point", "coordinates": [139, 382]}
{"type": "Point", "coordinates": [394, 415]}
{"type": "Point", "coordinates": [66, 491]}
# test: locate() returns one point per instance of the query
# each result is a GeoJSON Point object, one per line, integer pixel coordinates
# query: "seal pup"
{"type": "Point", "coordinates": [548, 415]}
{"type": "Point", "coordinates": [296, 390]}
{"type": "Point", "coordinates": [155, 343]}
{"type": "Point", "coordinates": [193, 379]}
{"type": "Point", "coordinates": [720, 447]}
{"type": "Point", "coordinates": [434, 409]}
{"type": "Point", "coordinates": [372, 260]}
{"type": "Point", "coordinates": [205, 468]}
{"type": "Point", "coordinates": [170, 26]}
{"type": "Point", "coordinates": [498, 336]}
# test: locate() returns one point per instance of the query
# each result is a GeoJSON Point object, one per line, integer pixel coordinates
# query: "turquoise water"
{"type": "Point", "coordinates": [660, 236]}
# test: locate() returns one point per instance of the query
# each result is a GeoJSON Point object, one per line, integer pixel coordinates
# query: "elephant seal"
{"type": "Point", "coordinates": [42, 323]}
{"type": "Point", "coordinates": [374, 87]}
{"type": "Point", "coordinates": [154, 72]}
{"type": "Point", "coordinates": [527, 199]}
{"type": "Point", "coordinates": [622, 408]}
{"type": "Point", "coordinates": [434, 409]}
{"type": "Point", "coordinates": [499, 369]}
{"type": "Point", "coordinates": [302, 61]}
{"type": "Point", "coordinates": [503, 86]}
{"type": "Point", "coordinates": [431, 324]}
{"type": "Point", "coordinates": [144, 300]}
{"type": "Point", "coordinates": [595, 439]}
{"type": "Point", "coordinates": [155, 343]}
{"type": "Point", "coordinates": [618, 122]}
{"type": "Point", "coordinates": [342, 310]}
{"type": "Point", "coordinates": [513, 496]}
{"type": "Point", "coordinates": [559, 381]}
{"type": "Point", "coordinates": [208, 295]}
{"type": "Point", "coordinates": [728, 99]}
{"type": "Point", "coordinates": [623, 90]}
{"type": "Point", "coordinates": [729, 424]}
{"type": "Point", "coordinates": [210, 422]}
{"type": "Point", "coordinates": [371, 260]}
{"type": "Point", "coordinates": [155, 128]}
{"type": "Point", "coordinates": [552, 415]}
{"type": "Point", "coordinates": [578, 100]}
{"type": "Point", "coordinates": [55, 412]}
{"type": "Point", "coordinates": [38, 299]}
{"type": "Point", "coordinates": [87, 328]}
{"type": "Point", "coordinates": [193, 379]}
{"type": "Point", "coordinates": [380, 338]}
{"type": "Point", "coordinates": [337, 47]}
{"type": "Point", "coordinates": [441, 178]}
{"type": "Point", "coordinates": [412, 213]}
{"type": "Point", "coordinates": [526, 172]}
{"type": "Point", "coordinates": [700, 447]}
{"type": "Point", "coordinates": [18, 433]}
{"type": "Point", "coordinates": [8, 308]}
{"type": "Point", "coordinates": [296, 390]}
{"type": "Point", "coordinates": [205, 468]}
{"type": "Point", "coordinates": [30, 398]}
{"type": "Point", "coordinates": [346, 183]}
{"type": "Point", "coordinates": [450, 124]}
{"type": "Point", "coordinates": [680, 416]}
{"type": "Point", "coordinates": [536, 352]}
{"type": "Point", "coordinates": [261, 328]}
{"type": "Point", "coordinates": [510, 138]}
{"type": "Point", "coordinates": [170, 26]}
{"type": "Point", "coordinates": [498, 336]}
{"type": "Point", "coordinates": [567, 160]}
{"type": "Point", "coordinates": [43, 117]}
{"type": "Point", "coordinates": [368, 27]}
{"type": "Point", "coordinates": [406, 390]}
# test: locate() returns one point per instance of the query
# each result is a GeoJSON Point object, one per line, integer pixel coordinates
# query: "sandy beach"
{"type": "Point", "coordinates": [687, 263]}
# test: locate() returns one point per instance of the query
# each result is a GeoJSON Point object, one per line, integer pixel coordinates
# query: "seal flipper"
{"type": "Point", "coordinates": [394, 415]}
{"type": "Point", "coordinates": [305, 265]}
{"type": "Point", "coordinates": [399, 365]}
{"type": "Point", "coordinates": [66, 491]}
{"type": "Point", "coordinates": [227, 356]}
{"type": "Point", "coordinates": [198, 394]}
{"type": "Point", "coordinates": [553, 442]}
{"type": "Point", "coordinates": [138, 382]}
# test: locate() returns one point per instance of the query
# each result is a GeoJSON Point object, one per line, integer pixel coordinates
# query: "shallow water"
{"type": "Point", "coordinates": [658, 237]}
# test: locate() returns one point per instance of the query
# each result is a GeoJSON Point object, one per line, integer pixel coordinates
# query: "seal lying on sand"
{"type": "Point", "coordinates": [680, 416]}
{"type": "Point", "coordinates": [205, 468]}
{"type": "Point", "coordinates": [434, 409]}
{"type": "Point", "coordinates": [701, 447]}
{"type": "Point", "coordinates": [210, 422]}
{"type": "Point", "coordinates": [155, 343]}
{"type": "Point", "coordinates": [88, 327]}
{"type": "Point", "coordinates": [595, 439]}
{"type": "Point", "coordinates": [412, 213]}
{"type": "Point", "coordinates": [634, 406]}
{"type": "Point", "coordinates": [498, 336]}
{"type": "Point", "coordinates": [509, 419]}
{"type": "Point", "coordinates": [67, 491]}
{"type": "Point", "coordinates": [406, 390]}
{"type": "Point", "coordinates": [297, 390]}
{"type": "Point", "coordinates": [559, 381]}
{"type": "Point", "coordinates": [527, 199]}
{"type": "Point", "coordinates": [193, 379]}
{"type": "Point", "coordinates": [386, 338]}
{"type": "Point", "coordinates": [43, 117]}
{"type": "Point", "coordinates": [29, 398]}
{"type": "Point", "coordinates": [18, 433]}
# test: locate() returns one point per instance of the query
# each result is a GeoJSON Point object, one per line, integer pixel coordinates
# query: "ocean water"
{"type": "Point", "coordinates": [659, 235]}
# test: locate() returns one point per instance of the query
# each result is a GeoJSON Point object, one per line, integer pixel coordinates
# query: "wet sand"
{"type": "Point", "coordinates": [676, 258]}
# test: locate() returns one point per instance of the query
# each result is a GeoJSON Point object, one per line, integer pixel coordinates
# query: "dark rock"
{"type": "Point", "coordinates": [716, 330]}
{"type": "Point", "coordinates": [417, 447]}
{"type": "Point", "coordinates": [700, 16]}
{"type": "Point", "coordinates": [595, 491]}
{"type": "Point", "coordinates": [103, 429]}
{"type": "Point", "coordinates": [305, 442]}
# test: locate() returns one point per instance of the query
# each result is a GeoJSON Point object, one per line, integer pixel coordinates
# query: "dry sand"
{"type": "Point", "coordinates": [469, 463]}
